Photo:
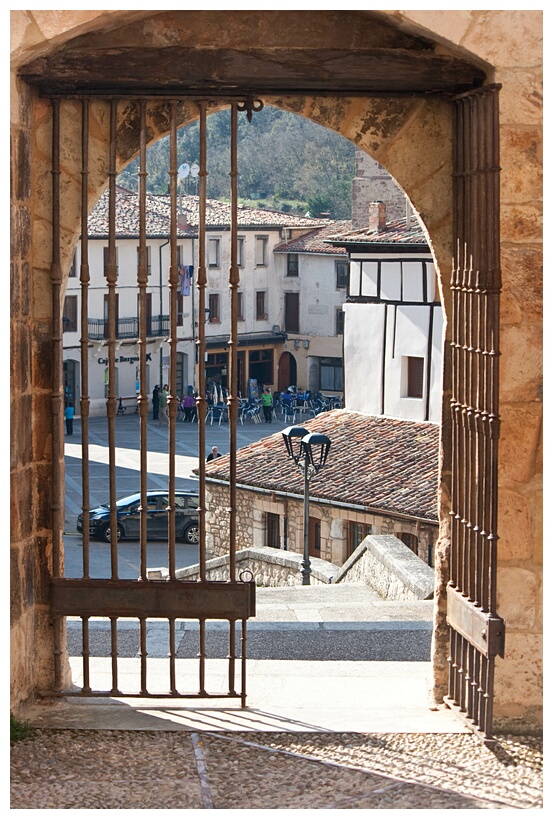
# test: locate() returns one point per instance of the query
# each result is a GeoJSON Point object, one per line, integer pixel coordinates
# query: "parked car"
{"type": "Point", "coordinates": [128, 517]}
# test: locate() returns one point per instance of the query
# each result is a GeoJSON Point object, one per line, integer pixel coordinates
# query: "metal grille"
{"type": "Point", "coordinates": [232, 600]}
{"type": "Point", "coordinates": [476, 632]}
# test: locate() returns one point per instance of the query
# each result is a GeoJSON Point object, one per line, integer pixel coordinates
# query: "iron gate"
{"type": "Point", "coordinates": [232, 600]}
{"type": "Point", "coordinates": [476, 631]}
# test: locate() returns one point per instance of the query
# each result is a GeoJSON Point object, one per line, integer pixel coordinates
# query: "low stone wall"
{"type": "Point", "coordinates": [270, 567]}
{"type": "Point", "coordinates": [390, 568]}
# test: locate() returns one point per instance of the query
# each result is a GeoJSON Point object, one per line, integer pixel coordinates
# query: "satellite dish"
{"type": "Point", "coordinates": [195, 170]}
{"type": "Point", "coordinates": [184, 170]}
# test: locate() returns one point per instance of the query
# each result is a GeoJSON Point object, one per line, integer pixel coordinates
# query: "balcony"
{"type": "Point", "coordinates": [156, 327]}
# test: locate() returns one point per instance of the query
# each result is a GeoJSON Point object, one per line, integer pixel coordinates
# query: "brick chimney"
{"type": "Point", "coordinates": [377, 216]}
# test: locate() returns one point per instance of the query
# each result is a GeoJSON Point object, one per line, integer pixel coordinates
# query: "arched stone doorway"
{"type": "Point", "coordinates": [411, 135]}
{"type": "Point", "coordinates": [287, 371]}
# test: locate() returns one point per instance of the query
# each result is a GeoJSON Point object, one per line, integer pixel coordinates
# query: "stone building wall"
{"type": "Point", "coordinates": [373, 183]}
{"type": "Point", "coordinates": [411, 138]}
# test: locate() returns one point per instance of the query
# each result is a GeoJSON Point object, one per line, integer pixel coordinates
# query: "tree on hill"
{"type": "Point", "coordinates": [285, 162]}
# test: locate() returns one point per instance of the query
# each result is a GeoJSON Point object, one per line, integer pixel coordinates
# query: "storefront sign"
{"type": "Point", "coordinates": [130, 359]}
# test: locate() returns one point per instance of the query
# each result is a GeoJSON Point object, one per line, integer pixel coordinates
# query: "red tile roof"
{"type": "Point", "coordinates": [158, 216]}
{"type": "Point", "coordinates": [396, 232]}
{"type": "Point", "coordinates": [315, 241]}
{"type": "Point", "coordinates": [382, 464]}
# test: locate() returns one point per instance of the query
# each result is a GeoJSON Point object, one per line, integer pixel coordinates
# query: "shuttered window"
{"type": "Point", "coordinates": [292, 312]}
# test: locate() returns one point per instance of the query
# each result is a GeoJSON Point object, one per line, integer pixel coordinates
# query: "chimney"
{"type": "Point", "coordinates": [377, 216]}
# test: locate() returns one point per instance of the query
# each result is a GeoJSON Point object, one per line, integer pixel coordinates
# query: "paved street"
{"type": "Point", "coordinates": [128, 482]}
{"type": "Point", "coordinates": [128, 457]}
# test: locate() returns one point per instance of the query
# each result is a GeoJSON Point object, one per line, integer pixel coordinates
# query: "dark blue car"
{"type": "Point", "coordinates": [128, 517]}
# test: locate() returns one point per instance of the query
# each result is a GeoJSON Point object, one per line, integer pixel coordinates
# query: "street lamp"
{"type": "Point", "coordinates": [309, 451]}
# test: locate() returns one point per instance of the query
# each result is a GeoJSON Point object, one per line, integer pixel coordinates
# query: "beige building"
{"type": "Point", "coordinates": [406, 87]}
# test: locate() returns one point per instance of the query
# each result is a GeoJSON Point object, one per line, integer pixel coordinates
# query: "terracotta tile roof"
{"type": "Point", "coordinates": [396, 232]}
{"type": "Point", "coordinates": [158, 215]}
{"type": "Point", "coordinates": [315, 241]}
{"type": "Point", "coordinates": [384, 464]}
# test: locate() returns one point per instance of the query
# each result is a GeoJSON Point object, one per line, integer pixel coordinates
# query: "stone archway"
{"type": "Point", "coordinates": [409, 134]}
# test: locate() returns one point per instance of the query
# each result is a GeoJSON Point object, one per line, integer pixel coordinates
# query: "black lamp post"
{"type": "Point", "coordinates": [309, 451]}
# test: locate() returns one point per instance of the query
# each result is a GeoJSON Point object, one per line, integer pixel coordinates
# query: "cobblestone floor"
{"type": "Point", "coordinates": [65, 769]}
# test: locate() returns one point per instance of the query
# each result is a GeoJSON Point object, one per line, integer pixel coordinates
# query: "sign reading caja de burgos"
{"type": "Point", "coordinates": [130, 359]}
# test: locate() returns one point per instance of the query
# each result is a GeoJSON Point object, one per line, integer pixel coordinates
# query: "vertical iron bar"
{"type": "Point", "coordinates": [202, 656]}
{"type": "Point", "coordinates": [234, 279]}
{"type": "Point", "coordinates": [111, 283]}
{"type": "Point", "coordinates": [172, 657]}
{"type": "Point", "coordinates": [57, 347]}
{"type": "Point", "coordinates": [232, 400]}
{"type": "Point", "coordinates": [114, 655]}
{"type": "Point", "coordinates": [243, 655]}
{"type": "Point", "coordinates": [86, 656]}
{"type": "Point", "coordinates": [85, 398]}
{"type": "Point", "coordinates": [173, 338]}
{"type": "Point", "coordinates": [232, 658]}
{"type": "Point", "coordinates": [143, 657]}
{"type": "Point", "coordinates": [201, 282]}
{"type": "Point", "coordinates": [142, 282]}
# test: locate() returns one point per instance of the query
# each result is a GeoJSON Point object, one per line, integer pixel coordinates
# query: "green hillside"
{"type": "Point", "coordinates": [285, 163]}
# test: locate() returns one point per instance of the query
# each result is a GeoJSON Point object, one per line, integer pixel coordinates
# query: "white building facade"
{"type": "Point", "coordinates": [271, 290]}
{"type": "Point", "coordinates": [393, 313]}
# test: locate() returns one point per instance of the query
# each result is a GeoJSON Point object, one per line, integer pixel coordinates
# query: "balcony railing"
{"type": "Point", "coordinates": [156, 326]}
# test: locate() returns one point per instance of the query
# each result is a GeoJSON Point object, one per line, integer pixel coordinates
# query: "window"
{"type": "Point", "coordinates": [292, 312]}
{"type": "Point", "coordinates": [314, 537]}
{"type": "Point", "coordinates": [241, 251]}
{"type": "Point", "coordinates": [415, 376]}
{"type": "Point", "coordinates": [272, 530]}
{"type": "Point", "coordinates": [106, 261]}
{"type": "Point", "coordinates": [214, 315]}
{"type": "Point", "coordinates": [69, 319]}
{"type": "Point", "coordinates": [332, 374]}
{"type": "Point", "coordinates": [339, 323]}
{"type": "Point", "coordinates": [411, 541]}
{"type": "Point", "coordinates": [180, 310]}
{"type": "Point", "coordinates": [341, 275]}
{"type": "Point", "coordinates": [240, 307]}
{"type": "Point", "coordinates": [148, 258]}
{"type": "Point", "coordinates": [292, 264]}
{"type": "Point", "coordinates": [261, 248]}
{"type": "Point", "coordinates": [260, 305]}
{"type": "Point", "coordinates": [357, 532]}
{"type": "Point", "coordinates": [73, 268]}
{"type": "Point", "coordinates": [213, 252]}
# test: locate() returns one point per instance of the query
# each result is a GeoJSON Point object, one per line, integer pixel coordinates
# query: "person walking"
{"type": "Point", "coordinates": [155, 402]}
{"type": "Point", "coordinates": [69, 415]}
{"type": "Point", "coordinates": [163, 417]}
{"type": "Point", "coordinates": [189, 405]}
{"type": "Point", "coordinates": [267, 404]}
{"type": "Point", "coordinates": [213, 454]}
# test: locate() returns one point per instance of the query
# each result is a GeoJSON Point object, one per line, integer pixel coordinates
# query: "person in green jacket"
{"type": "Point", "coordinates": [267, 404]}
{"type": "Point", "coordinates": [163, 417]}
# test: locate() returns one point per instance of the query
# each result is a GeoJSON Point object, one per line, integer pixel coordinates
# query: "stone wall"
{"type": "Point", "coordinates": [390, 568]}
{"type": "Point", "coordinates": [269, 567]}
